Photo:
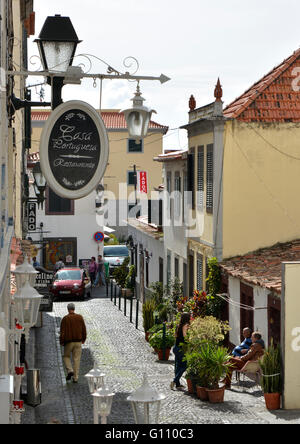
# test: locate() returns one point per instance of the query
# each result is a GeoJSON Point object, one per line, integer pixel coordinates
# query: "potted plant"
{"type": "Point", "coordinates": [130, 281]}
{"type": "Point", "coordinates": [214, 364]}
{"type": "Point", "coordinates": [121, 272]}
{"type": "Point", "coordinates": [206, 329]}
{"type": "Point", "coordinates": [270, 365]}
{"type": "Point", "coordinates": [148, 318]}
{"type": "Point", "coordinates": [195, 377]}
{"type": "Point", "coordinates": [162, 341]}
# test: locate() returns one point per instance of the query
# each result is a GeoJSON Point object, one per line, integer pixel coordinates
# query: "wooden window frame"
{"type": "Point", "coordinates": [48, 212]}
{"type": "Point", "coordinates": [141, 144]}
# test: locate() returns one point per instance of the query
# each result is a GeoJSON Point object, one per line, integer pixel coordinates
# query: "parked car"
{"type": "Point", "coordinates": [114, 255]}
{"type": "Point", "coordinates": [71, 282]}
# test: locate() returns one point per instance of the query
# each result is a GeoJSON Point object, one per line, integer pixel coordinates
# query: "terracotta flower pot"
{"type": "Point", "coordinates": [202, 393]}
{"type": "Point", "coordinates": [161, 354]}
{"type": "Point", "coordinates": [272, 401]}
{"type": "Point", "coordinates": [190, 386]}
{"type": "Point", "coordinates": [217, 395]}
{"type": "Point", "coordinates": [147, 336]}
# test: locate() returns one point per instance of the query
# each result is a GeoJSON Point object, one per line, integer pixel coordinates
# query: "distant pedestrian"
{"type": "Point", "coordinates": [59, 265]}
{"type": "Point", "coordinates": [180, 365]}
{"type": "Point", "coordinates": [72, 336]}
{"type": "Point", "coordinates": [93, 270]}
{"type": "Point", "coordinates": [100, 272]}
{"type": "Point", "coordinates": [35, 263]}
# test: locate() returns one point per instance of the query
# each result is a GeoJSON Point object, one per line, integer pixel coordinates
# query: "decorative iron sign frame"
{"type": "Point", "coordinates": [74, 149]}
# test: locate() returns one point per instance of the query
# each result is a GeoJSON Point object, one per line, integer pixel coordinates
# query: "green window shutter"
{"type": "Point", "coordinates": [200, 177]}
{"type": "Point", "coordinates": [209, 178]}
{"type": "Point", "coordinates": [199, 272]}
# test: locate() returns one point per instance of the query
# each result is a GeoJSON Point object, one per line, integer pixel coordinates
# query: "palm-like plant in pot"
{"type": "Point", "coordinates": [214, 364]}
{"type": "Point", "coordinates": [130, 281]}
{"type": "Point", "coordinates": [271, 381]}
{"type": "Point", "coordinates": [148, 316]}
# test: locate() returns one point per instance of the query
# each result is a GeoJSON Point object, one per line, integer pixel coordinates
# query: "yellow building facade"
{"type": "Point", "coordinates": [244, 170]}
{"type": "Point", "coordinates": [125, 157]}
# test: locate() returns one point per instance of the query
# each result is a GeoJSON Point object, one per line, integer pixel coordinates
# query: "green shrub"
{"type": "Point", "coordinates": [130, 278]}
{"type": "Point", "coordinates": [157, 340]}
{"type": "Point", "coordinates": [148, 317]}
{"type": "Point", "coordinates": [121, 272]}
{"type": "Point", "coordinates": [213, 364]}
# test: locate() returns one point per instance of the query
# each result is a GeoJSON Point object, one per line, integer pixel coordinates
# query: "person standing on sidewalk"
{"type": "Point", "coordinates": [100, 272]}
{"type": "Point", "coordinates": [93, 270]}
{"type": "Point", "coordinates": [180, 364]}
{"type": "Point", "coordinates": [72, 336]}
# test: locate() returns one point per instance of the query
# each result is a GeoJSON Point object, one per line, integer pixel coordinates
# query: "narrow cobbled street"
{"type": "Point", "coordinates": [121, 352]}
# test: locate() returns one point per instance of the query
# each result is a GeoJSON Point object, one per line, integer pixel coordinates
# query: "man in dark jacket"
{"type": "Point", "coordinates": [72, 336]}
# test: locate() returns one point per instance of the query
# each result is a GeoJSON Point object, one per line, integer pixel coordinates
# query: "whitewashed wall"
{"type": "Point", "coordinates": [175, 240]}
{"type": "Point", "coordinates": [82, 225]}
{"type": "Point", "coordinates": [153, 246]}
{"type": "Point", "coordinates": [260, 315]}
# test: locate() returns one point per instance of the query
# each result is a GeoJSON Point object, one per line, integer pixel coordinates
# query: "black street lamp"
{"type": "Point", "coordinates": [57, 45]}
{"type": "Point", "coordinates": [39, 184]}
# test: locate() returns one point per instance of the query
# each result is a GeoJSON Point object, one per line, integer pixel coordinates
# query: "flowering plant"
{"type": "Point", "coordinates": [196, 305]}
{"type": "Point", "coordinates": [206, 329]}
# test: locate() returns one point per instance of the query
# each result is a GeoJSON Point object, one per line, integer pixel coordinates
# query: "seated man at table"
{"type": "Point", "coordinates": [255, 352]}
{"type": "Point", "coordinates": [243, 348]}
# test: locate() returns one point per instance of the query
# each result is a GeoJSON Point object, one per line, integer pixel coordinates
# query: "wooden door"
{"type": "Point", "coordinates": [274, 319]}
{"type": "Point", "coordinates": [246, 315]}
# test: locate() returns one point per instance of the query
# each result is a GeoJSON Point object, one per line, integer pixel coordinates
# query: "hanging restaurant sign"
{"type": "Point", "coordinates": [74, 149]}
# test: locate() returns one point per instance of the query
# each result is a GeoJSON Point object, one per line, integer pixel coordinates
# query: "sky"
{"type": "Point", "coordinates": [192, 42]}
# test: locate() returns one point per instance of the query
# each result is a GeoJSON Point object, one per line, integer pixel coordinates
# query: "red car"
{"type": "Point", "coordinates": [70, 282]}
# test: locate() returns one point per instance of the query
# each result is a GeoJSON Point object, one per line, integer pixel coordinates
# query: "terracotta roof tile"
{"type": "Point", "coordinates": [112, 120]}
{"type": "Point", "coordinates": [263, 267]}
{"type": "Point", "coordinates": [272, 98]}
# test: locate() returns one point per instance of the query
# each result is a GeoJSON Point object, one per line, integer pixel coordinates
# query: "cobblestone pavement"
{"type": "Point", "coordinates": [121, 352]}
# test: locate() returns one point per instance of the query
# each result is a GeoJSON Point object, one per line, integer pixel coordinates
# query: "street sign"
{"type": "Point", "coordinates": [74, 149]}
{"type": "Point", "coordinates": [142, 183]}
{"type": "Point", "coordinates": [31, 211]}
{"type": "Point", "coordinates": [43, 281]}
{"type": "Point", "coordinates": [99, 236]}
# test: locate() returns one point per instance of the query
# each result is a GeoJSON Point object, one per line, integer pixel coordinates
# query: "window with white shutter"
{"type": "Point", "coordinates": [200, 177]}
{"type": "Point", "coordinates": [209, 178]}
{"type": "Point", "coordinates": [177, 195]}
{"type": "Point", "coordinates": [169, 189]}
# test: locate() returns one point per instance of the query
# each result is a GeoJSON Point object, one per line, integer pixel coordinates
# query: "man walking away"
{"type": "Point", "coordinates": [72, 336]}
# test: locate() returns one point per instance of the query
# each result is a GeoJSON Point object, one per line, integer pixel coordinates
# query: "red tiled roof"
{"type": "Point", "coordinates": [263, 267]}
{"type": "Point", "coordinates": [112, 120]}
{"type": "Point", "coordinates": [271, 99]}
